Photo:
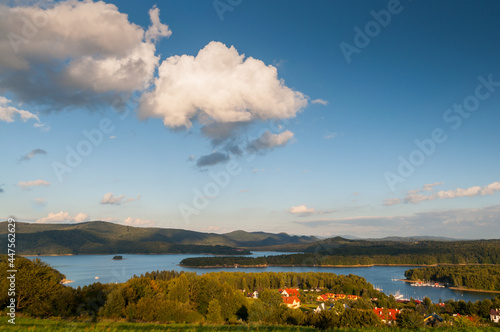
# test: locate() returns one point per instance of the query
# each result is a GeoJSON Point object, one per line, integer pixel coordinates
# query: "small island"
{"type": "Point", "coordinates": [117, 258]}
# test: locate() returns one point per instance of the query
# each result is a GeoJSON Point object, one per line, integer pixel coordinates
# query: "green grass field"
{"type": "Point", "coordinates": [49, 325]}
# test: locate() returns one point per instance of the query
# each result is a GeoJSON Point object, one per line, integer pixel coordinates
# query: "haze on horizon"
{"type": "Point", "coordinates": [368, 119]}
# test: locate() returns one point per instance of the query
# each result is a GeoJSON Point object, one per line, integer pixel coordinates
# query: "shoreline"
{"type": "Point", "coordinates": [473, 290]}
{"type": "Point", "coordinates": [358, 265]}
{"type": "Point", "coordinates": [297, 265]}
{"type": "Point", "coordinates": [458, 288]}
{"type": "Point", "coordinates": [170, 253]}
{"type": "Point", "coordinates": [408, 281]}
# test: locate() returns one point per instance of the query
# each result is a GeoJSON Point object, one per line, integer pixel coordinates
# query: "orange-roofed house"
{"type": "Point", "coordinates": [386, 315]}
{"type": "Point", "coordinates": [291, 301]}
{"type": "Point", "coordinates": [292, 291]}
{"type": "Point", "coordinates": [322, 298]}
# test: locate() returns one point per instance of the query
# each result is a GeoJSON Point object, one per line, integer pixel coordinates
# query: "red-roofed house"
{"type": "Point", "coordinates": [322, 298]}
{"type": "Point", "coordinates": [292, 291]}
{"type": "Point", "coordinates": [386, 314]}
{"type": "Point", "coordinates": [291, 301]}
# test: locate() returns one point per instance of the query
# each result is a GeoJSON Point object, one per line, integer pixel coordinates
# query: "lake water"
{"type": "Point", "coordinates": [84, 268]}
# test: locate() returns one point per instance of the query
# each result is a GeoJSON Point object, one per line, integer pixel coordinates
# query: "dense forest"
{"type": "Point", "coordinates": [339, 251]}
{"type": "Point", "coordinates": [470, 276]}
{"type": "Point", "coordinates": [350, 284]}
{"type": "Point", "coordinates": [221, 298]}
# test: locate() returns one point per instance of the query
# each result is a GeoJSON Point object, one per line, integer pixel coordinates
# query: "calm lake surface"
{"type": "Point", "coordinates": [84, 268]}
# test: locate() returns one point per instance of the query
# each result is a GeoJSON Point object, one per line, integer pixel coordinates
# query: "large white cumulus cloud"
{"type": "Point", "coordinates": [77, 49]}
{"type": "Point", "coordinates": [218, 85]}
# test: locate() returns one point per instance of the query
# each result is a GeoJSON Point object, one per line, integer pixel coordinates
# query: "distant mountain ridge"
{"type": "Point", "coordinates": [413, 238]}
{"type": "Point", "coordinates": [395, 238]}
{"type": "Point", "coordinates": [99, 237]}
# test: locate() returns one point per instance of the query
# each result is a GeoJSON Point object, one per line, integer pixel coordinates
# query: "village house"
{"type": "Point", "coordinates": [289, 292]}
{"type": "Point", "coordinates": [322, 298]}
{"type": "Point", "coordinates": [495, 315]}
{"type": "Point", "coordinates": [386, 315]}
{"type": "Point", "coordinates": [433, 319]}
{"type": "Point", "coordinates": [254, 295]}
{"type": "Point", "coordinates": [291, 301]}
{"type": "Point", "coordinates": [321, 307]}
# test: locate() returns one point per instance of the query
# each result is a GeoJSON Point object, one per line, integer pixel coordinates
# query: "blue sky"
{"type": "Point", "coordinates": [371, 119]}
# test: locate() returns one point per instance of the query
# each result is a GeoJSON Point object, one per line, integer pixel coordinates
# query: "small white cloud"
{"type": "Point", "coordinates": [42, 126]}
{"type": "Point", "coordinates": [212, 159]}
{"type": "Point", "coordinates": [304, 211]}
{"type": "Point", "coordinates": [8, 112]}
{"type": "Point", "coordinates": [31, 154]}
{"type": "Point", "coordinates": [109, 198]}
{"type": "Point", "coordinates": [416, 196]}
{"type": "Point", "coordinates": [391, 201]}
{"type": "Point", "coordinates": [112, 137]}
{"type": "Point", "coordinates": [319, 101]}
{"type": "Point", "coordinates": [426, 187]}
{"type": "Point", "coordinates": [258, 170]}
{"type": "Point", "coordinates": [63, 217]}
{"type": "Point", "coordinates": [36, 183]}
{"type": "Point", "coordinates": [301, 209]}
{"type": "Point", "coordinates": [139, 222]}
{"type": "Point", "coordinates": [156, 30]}
{"type": "Point", "coordinates": [330, 135]}
{"type": "Point", "coordinates": [268, 140]}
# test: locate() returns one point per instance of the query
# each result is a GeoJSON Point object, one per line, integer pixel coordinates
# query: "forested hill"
{"type": "Point", "coordinates": [340, 251]}
{"type": "Point", "coordinates": [99, 237]}
{"type": "Point", "coordinates": [479, 277]}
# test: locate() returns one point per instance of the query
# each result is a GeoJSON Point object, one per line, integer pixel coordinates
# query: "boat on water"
{"type": "Point", "coordinates": [427, 284]}
{"type": "Point", "coordinates": [400, 297]}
